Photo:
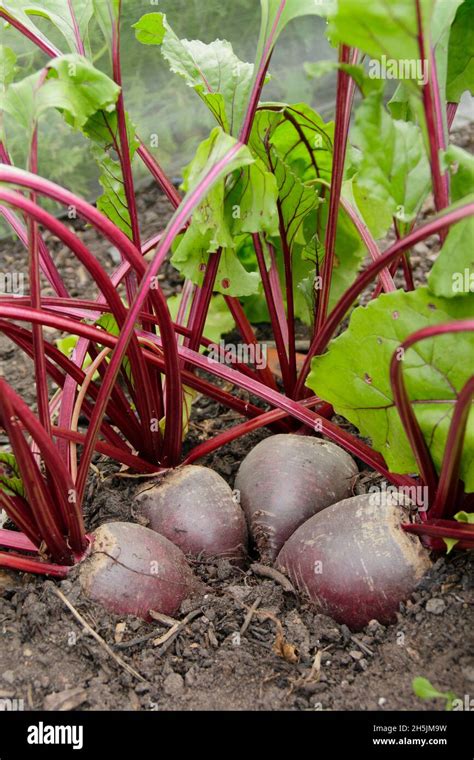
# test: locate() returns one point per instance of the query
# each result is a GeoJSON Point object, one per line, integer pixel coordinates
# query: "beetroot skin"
{"type": "Point", "coordinates": [354, 561]}
{"type": "Point", "coordinates": [194, 508]}
{"type": "Point", "coordinates": [285, 480]}
{"type": "Point", "coordinates": [132, 570]}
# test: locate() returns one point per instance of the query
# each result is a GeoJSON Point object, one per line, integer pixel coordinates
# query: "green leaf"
{"type": "Point", "coordinates": [189, 395]}
{"type": "Point", "coordinates": [251, 203]}
{"type": "Point", "coordinates": [298, 135]}
{"type": "Point", "coordinates": [73, 86]}
{"type": "Point", "coordinates": [296, 200]}
{"type": "Point", "coordinates": [453, 271]}
{"type": "Point", "coordinates": [277, 14]}
{"type": "Point", "coordinates": [20, 101]}
{"type": "Point", "coordinates": [295, 144]}
{"type": "Point", "coordinates": [461, 167]}
{"type": "Point", "coordinates": [375, 213]}
{"type": "Point", "coordinates": [209, 153]}
{"type": "Point", "coordinates": [102, 129]}
{"type": "Point", "coordinates": [407, 102]}
{"type": "Point", "coordinates": [394, 168]}
{"type": "Point", "coordinates": [209, 217]}
{"type": "Point", "coordinates": [10, 478]}
{"type": "Point", "coordinates": [465, 517]}
{"type": "Point", "coordinates": [108, 323]}
{"type": "Point", "coordinates": [349, 253]}
{"type": "Point", "coordinates": [424, 689]}
{"type": "Point", "coordinates": [107, 13]}
{"type": "Point", "coordinates": [389, 29]}
{"type": "Point", "coordinates": [452, 274]}
{"type": "Point", "coordinates": [460, 76]}
{"type": "Point", "coordinates": [354, 375]}
{"type": "Point", "coordinates": [213, 70]}
{"type": "Point", "coordinates": [191, 258]}
{"type": "Point", "coordinates": [77, 88]}
{"type": "Point", "coordinates": [7, 65]}
{"type": "Point", "coordinates": [86, 97]}
{"type": "Point", "coordinates": [112, 202]}
{"type": "Point", "coordinates": [450, 544]}
{"type": "Point", "coordinates": [67, 345]}
{"type": "Point", "coordinates": [56, 12]}
{"type": "Point", "coordinates": [388, 32]}
{"type": "Point", "coordinates": [150, 29]}
{"type": "Point", "coordinates": [211, 225]}
{"type": "Point", "coordinates": [219, 320]}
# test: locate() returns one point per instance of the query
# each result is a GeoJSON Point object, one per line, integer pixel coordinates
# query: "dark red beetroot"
{"type": "Point", "coordinates": [194, 507]}
{"type": "Point", "coordinates": [285, 480]}
{"type": "Point", "coordinates": [354, 561]}
{"type": "Point", "coordinates": [132, 570]}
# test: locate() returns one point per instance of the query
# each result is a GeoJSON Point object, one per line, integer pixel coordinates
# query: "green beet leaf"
{"type": "Point", "coordinates": [219, 320]}
{"type": "Point", "coordinates": [460, 75]}
{"type": "Point", "coordinates": [389, 29]}
{"type": "Point", "coordinates": [10, 478]}
{"type": "Point", "coordinates": [73, 86]}
{"type": "Point", "coordinates": [7, 66]}
{"type": "Point", "coordinates": [394, 169]}
{"type": "Point", "coordinates": [213, 70]}
{"type": "Point", "coordinates": [56, 12]}
{"type": "Point", "coordinates": [453, 271]}
{"type": "Point", "coordinates": [354, 375]}
{"type": "Point", "coordinates": [212, 226]}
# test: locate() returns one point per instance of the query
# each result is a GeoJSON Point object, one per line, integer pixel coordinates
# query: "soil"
{"type": "Point", "coordinates": [225, 657]}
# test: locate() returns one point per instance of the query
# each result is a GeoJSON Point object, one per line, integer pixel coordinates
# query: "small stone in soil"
{"type": "Point", "coordinates": [435, 606]}
{"type": "Point", "coordinates": [224, 569]}
{"type": "Point", "coordinates": [190, 677]}
{"type": "Point", "coordinates": [174, 685]}
{"type": "Point", "coordinates": [8, 676]}
{"type": "Point", "coordinates": [346, 632]}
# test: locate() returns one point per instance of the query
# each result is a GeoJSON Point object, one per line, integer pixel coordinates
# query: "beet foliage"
{"type": "Point", "coordinates": [279, 210]}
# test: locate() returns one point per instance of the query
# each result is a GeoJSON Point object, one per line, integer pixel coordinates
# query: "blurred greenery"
{"type": "Point", "coordinates": [164, 109]}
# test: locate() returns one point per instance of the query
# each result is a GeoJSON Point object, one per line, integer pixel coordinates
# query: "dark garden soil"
{"type": "Point", "coordinates": [228, 655]}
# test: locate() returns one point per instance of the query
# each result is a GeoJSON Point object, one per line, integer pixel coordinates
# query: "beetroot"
{"type": "Point", "coordinates": [354, 561]}
{"type": "Point", "coordinates": [194, 508]}
{"type": "Point", "coordinates": [285, 480]}
{"type": "Point", "coordinates": [132, 570]}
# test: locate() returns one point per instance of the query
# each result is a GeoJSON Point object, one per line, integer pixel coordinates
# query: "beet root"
{"type": "Point", "coordinates": [354, 561]}
{"type": "Point", "coordinates": [194, 508]}
{"type": "Point", "coordinates": [285, 480]}
{"type": "Point", "coordinates": [132, 570]}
